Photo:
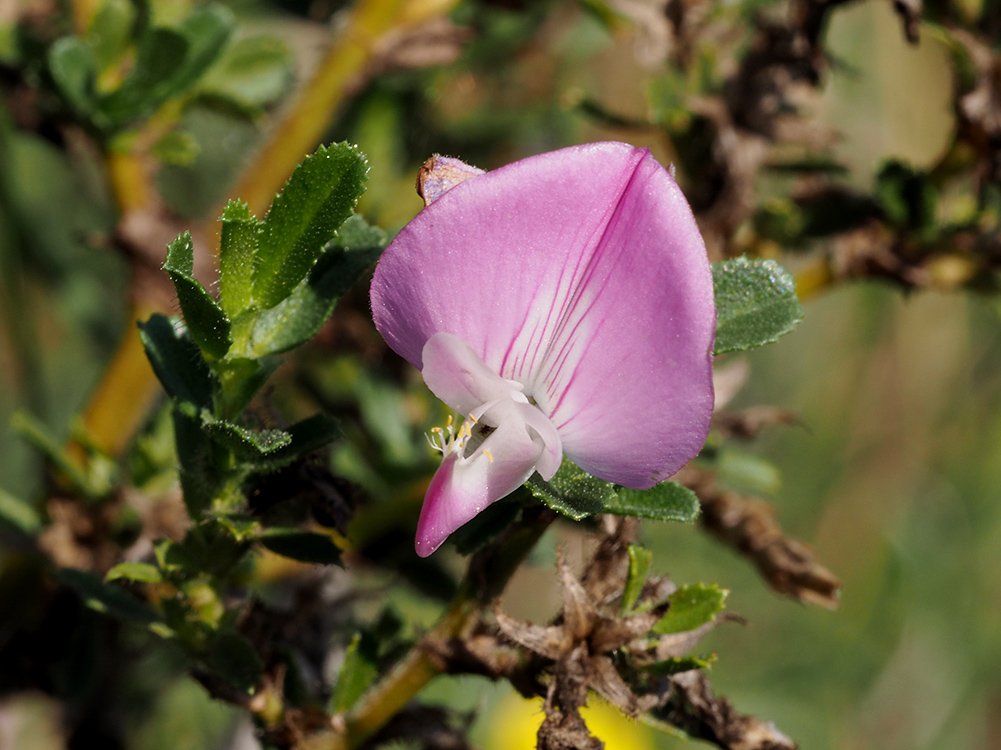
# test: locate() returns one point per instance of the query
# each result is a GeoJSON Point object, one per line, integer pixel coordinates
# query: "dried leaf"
{"type": "Point", "coordinates": [578, 613]}
{"type": "Point", "coordinates": [549, 642]}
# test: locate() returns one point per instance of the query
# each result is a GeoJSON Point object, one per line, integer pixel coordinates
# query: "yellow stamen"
{"type": "Point", "coordinates": [486, 453]}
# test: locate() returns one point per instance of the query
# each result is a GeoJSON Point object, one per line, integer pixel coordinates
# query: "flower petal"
{"type": "Point", "coordinates": [462, 487]}
{"type": "Point", "coordinates": [627, 379]}
{"type": "Point", "coordinates": [458, 377]}
{"type": "Point", "coordinates": [496, 258]}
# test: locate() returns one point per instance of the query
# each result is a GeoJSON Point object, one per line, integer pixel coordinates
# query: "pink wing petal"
{"type": "Point", "coordinates": [462, 487]}
{"type": "Point", "coordinates": [458, 377]}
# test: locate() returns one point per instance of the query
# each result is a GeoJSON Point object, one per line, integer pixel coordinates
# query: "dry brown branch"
{"type": "Point", "coordinates": [703, 715]}
{"type": "Point", "coordinates": [748, 525]}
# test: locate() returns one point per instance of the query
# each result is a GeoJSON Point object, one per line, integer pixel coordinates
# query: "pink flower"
{"type": "Point", "coordinates": [564, 305]}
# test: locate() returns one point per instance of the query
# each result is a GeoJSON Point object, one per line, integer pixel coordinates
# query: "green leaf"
{"type": "Point", "coordinates": [240, 528]}
{"type": "Point", "coordinates": [572, 492]}
{"type": "Point", "coordinates": [306, 436]}
{"type": "Point", "coordinates": [199, 474]}
{"type": "Point", "coordinates": [691, 607]}
{"type": "Point", "coordinates": [206, 30]}
{"type": "Point", "coordinates": [71, 64]}
{"type": "Point", "coordinates": [233, 657]}
{"type": "Point", "coordinates": [304, 546]}
{"type": "Point", "coordinates": [103, 597]}
{"type": "Point", "coordinates": [746, 472]}
{"type": "Point", "coordinates": [755, 303]}
{"type": "Point", "coordinates": [237, 247]}
{"type": "Point", "coordinates": [252, 73]}
{"type": "Point", "coordinates": [681, 664]}
{"type": "Point", "coordinates": [172, 557]}
{"type": "Point", "coordinates": [248, 445]}
{"type": "Point", "coordinates": [319, 196]}
{"type": "Point", "coordinates": [239, 379]}
{"type": "Point", "coordinates": [134, 571]}
{"type": "Point", "coordinates": [668, 501]}
{"type": "Point", "coordinates": [168, 63]}
{"type": "Point", "coordinates": [18, 514]}
{"type": "Point", "coordinates": [639, 565]}
{"type": "Point", "coordinates": [370, 650]}
{"type": "Point", "coordinates": [177, 148]}
{"type": "Point", "coordinates": [207, 323]}
{"type": "Point", "coordinates": [110, 32]}
{"type": "Point", "coordinates": [149, 84]}
{"type": "Point", "coordinates": [358, 672]}
{"type": "Point", "coordinates": [177, 362]}
{"type": "Point", "coordinates": [297, 318]}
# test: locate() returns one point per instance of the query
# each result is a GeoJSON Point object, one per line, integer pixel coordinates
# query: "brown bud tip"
{"type": "Point", "coordinates": [439, 174]}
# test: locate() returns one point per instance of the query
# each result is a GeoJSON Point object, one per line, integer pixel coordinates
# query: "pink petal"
{"type": "Point", "coordinates": [462, 487]}
{"type": "Point", "coordinates": [495, 259]}
{"type": "Point", "coordinates": [627, 378]}
{"type": "Point", "coordinates": [458, 377]}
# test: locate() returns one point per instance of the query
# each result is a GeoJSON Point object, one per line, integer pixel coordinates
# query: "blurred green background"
{"type": "Point", "coordinates": [892, 475]}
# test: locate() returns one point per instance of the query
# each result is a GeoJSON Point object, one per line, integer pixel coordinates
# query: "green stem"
{"type": "Point", "coordinates": [487, 576]}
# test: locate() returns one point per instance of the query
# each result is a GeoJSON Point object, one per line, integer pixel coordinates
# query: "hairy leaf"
{"type": "Point", "coordinates": [572, 492]}
{"type": "Point", "coordinates": [246, 444]}
{"type": "Point", "coordinates": [298, 317]}
{"type": "Point", "coordinates": [319, 196]}
{"type": "Point", "coordinates": [305, 436]}
{"type": "Point", "coordinates": [668, 501]}
{"type": "Point", "coordinates": [691, 607]}
{"type": "Point", "coordinates": [176, 361]}
{"type": "Point", "coordinates": [237, 247]}
{"type": "Point", "coordinates": [755, 303]}
{"type": "Point", "coordinates": [207, 323]}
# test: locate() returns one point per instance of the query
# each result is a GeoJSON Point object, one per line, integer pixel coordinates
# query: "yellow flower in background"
{"type": "Point", "coordinates": [516, 720]}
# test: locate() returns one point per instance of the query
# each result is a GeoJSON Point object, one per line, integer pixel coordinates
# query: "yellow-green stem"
{"type": "Point", "coordinates": [338, 73]}
{"type": "Point", "coordinates": [488, 574]}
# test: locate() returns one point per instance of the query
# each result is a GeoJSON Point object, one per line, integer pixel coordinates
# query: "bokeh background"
{"type": "Point", "coordinates": [891, 473]}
